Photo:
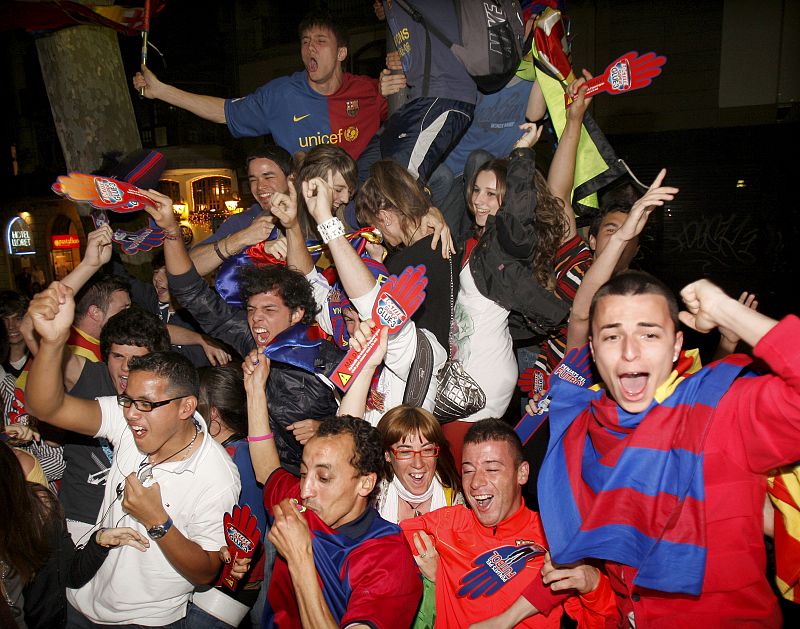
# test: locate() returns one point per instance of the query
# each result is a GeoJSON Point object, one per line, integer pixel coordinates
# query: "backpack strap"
{"type": "Point", "coordinates": [429, 29]}
{"type": "Point", "coordinates": [419, 377]}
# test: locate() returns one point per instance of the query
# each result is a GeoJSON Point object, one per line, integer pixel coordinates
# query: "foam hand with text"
{"type": "Point", "coordinates": [496, 567]}
{"type": "Point", "coordinates": [396, 303]}
{"type": "Point", "coordinates": [629, 72]}
{"type": "Point", "coordinates": [536, 384]}
{"type": "Point", "coordinates": [102, 193]}
{"type": "Point", "coordinates": [242, 536]}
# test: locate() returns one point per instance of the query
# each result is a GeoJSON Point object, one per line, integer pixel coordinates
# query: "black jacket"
{"type": "Point", "coordinates": [292, 394]}
{"type": "Point", "coordinates": [501, 262]}
{"type": "Point", "coordinates": [66, 567]}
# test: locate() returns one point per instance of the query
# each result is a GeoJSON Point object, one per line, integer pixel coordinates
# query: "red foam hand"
{"type": "Point", "coordinates": [533, 380]}
{"type": "Point", "coordinates": [103, 193]}
{"type": "Point", "coordinates": [242, 536]}
{"type": "Point", "coordinates": [400, 298]}
{"type": "Point", "coordinates": [629, 72]}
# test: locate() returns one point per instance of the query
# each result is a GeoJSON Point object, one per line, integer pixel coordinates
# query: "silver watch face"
{"type": "Point", "coordinates": [159, 531]}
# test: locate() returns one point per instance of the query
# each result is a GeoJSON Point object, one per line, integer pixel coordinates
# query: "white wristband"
{"type": "Point", "coordinates": [330, 229]}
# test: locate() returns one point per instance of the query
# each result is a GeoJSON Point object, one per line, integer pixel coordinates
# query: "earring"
{"type": "Point", "coordinates": [674, 358]}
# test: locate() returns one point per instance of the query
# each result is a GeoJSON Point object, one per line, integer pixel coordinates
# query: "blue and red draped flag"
{"type": "Point", "coordinates": [629, 487]}
{"type": "Point", "coordinates": [227, 283]}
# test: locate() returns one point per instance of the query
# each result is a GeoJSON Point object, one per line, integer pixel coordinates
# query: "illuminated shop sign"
{"type": "Point", "coordinates": [19, 237]}
{"type": "Point", "coordinates": [65, 241]}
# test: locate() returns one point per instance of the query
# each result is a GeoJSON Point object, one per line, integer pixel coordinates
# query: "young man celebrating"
{"type": "Point", "coordinates": [663, 474]}
{"type": "Point", "coordinates": [483, 557]}
{"type": "Point", "coordinates": [166, 478]}
{"type": "Point", "coordinates": [321, 105]}
{"type": "Point", "coordinates": [340, 564]}
{"type": "Point", "coordinates": [267, 171]}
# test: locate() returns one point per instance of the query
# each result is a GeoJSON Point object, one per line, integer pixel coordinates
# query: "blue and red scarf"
{"type": "Point", "coordinates": [629, 487]}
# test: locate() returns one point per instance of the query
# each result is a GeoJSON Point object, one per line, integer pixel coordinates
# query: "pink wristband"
{"type": "Point", "coordinates": [269, 435]}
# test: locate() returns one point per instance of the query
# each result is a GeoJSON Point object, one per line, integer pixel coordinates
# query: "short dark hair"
{"type": "Point", "coordinates": [618, 199]}
{"type": "Point", "coordinates": [137, 327]}
{"type": "Point", "coordinates": [274, 153]}
{"type": "Point", "coordinates": [636, 283]}
{"type": "Point", "coordinates": [12, 303]}
{"type": "Point", "coordinates": [492, 429]}
{"type": "Point", "coordinates": [291, 285]}
{"type": "Point", "coordinates": [223, 388]}
{"type": "Point", "coordinates": [158, 261]}
{"type": "Point", "coordinates": [324, 19]}
{"type": "Point", "coordinates": [368, 455]}
{"type": "Point", "coordinates": [179, 371]}
{"type": "Point", "coordinates": [98, 292]}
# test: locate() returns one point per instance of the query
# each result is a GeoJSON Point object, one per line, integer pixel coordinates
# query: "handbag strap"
{"type": "Point", "coordinates": [419, 377]}
{"type": "Point", "coordinates": [451, 337]}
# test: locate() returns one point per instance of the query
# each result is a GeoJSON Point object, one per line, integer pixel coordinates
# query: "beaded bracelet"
{"type": "Point", "coordinates": [330, 229]}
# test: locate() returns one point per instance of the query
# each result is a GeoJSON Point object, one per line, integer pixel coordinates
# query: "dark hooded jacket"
{"type": "Point", "coordinates": [292, 394]}
{"type": "Point", "coordinates": [501, 262]}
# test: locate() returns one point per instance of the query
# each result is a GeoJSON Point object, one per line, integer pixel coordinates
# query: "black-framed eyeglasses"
{"type": "Point", "coordinates": [145, 406]}
{"type": "Point", "coordinates": [427, 452]}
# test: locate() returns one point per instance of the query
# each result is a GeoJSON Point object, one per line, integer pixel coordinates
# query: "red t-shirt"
{"type": "Point", "coordinates": [482, 570]}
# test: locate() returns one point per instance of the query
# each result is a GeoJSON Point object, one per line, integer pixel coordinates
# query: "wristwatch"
{"type": "Point", "coordinates": [160, 530]}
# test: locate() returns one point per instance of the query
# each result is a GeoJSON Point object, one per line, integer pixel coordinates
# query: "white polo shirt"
{"type": "Point", "coordinates": [143, 587]}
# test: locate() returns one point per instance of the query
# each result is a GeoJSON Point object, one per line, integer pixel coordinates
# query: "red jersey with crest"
{"type": "Point", "coordinates": [483, 570]}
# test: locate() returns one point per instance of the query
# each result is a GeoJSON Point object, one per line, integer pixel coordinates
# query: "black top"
{"type": "Point", "coordinates": [434, 313]}
{"type": "Point", "coordinates": [84, 479]}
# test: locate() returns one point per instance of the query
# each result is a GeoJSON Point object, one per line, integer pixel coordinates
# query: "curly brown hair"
{"type": "Point", "coordinates": [548, 219]}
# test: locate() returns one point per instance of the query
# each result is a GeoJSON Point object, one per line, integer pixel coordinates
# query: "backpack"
{"type": "Point", "coordinates": [491, 35]}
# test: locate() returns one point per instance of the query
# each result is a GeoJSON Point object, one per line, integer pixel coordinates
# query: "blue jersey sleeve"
{"type": "Point", "coordinates": [251, 115]}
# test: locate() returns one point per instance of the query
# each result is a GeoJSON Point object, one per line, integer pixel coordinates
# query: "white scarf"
{"type": "Point", "coordinates": [395, 492]}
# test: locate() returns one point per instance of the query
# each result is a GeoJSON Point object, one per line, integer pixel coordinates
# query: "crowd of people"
{"type": "Point", "coordinates": [136, 415]}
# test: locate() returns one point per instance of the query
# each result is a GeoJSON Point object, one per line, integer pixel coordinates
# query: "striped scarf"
{"type": "Point", "coordinates": [633, 491]}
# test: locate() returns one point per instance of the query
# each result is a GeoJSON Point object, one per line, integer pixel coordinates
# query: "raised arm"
{"type": "Point", "coordinates": [52, 312]}
{"type": "Point", "coordinates": [98, 253]}
{"type": "Point", "coordinates": [209, 107]}
{"type": "Point", "coordinates": [561, 176]}
{"type": "Point", "coordinates": [284, 207]}
{"type": "Point", "coordinates": [708, 307]}
{"type": "Point", "coordinates": [263, 452]}
{"type": "Point", "coordinates": [215, 317]}
{"type": "Point", "coordinates": [354, 402]}
{"type": "Point", "coordinates": [353, 273]}
{"type": "Point", "coordinates": [604, 264]}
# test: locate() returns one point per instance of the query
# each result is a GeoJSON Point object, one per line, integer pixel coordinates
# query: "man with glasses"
{"type": "Point", "coordinates": [484, 556]}
{"type": "Point", "coordinates": [166, 478]}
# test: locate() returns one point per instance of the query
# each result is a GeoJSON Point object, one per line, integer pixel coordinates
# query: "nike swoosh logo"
{"type": "Point", "coordinates": [299, 118]}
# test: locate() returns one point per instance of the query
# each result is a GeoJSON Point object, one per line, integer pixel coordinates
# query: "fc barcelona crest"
{"type": "Point", "coordinates": [352, 108]}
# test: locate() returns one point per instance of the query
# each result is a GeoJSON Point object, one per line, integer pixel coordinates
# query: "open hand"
{"type": "Point", "coordinates": [433, 222]}
{"type": "Point", "coordinates": [122, 536]}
